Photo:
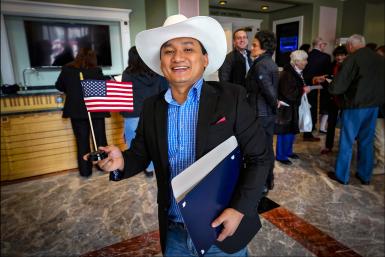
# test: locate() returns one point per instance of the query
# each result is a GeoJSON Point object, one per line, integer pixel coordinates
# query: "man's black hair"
{"type": "Point", "coordinates": [204, 51]}
{"type": "Point", "coordinates": [266, 40]}
{"type": "Point", "coordinates": [340, 50]}
{"type": "Point", "coordinates": [237, 30]}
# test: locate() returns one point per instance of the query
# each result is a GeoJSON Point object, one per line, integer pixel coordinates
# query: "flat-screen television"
{"type": "Point", "coordinates": [52, 43]}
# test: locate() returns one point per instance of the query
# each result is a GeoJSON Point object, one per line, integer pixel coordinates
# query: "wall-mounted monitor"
{"type": "Point", "coordinates": [52, 44]}
{"type": "Point", "coordinates": [287, 41]}
{"type": "Point", "coordinates": [288, 44]}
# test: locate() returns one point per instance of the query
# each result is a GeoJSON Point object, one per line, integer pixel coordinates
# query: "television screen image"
{"type": "Point", "coordinates": [288, 44]}
{"type": "Point", "coordinates": [57, 43]}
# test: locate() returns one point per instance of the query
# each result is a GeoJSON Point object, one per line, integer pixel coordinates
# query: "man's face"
{"type": "Point", "coordinates": [322, 46]}
{"type": "Point", "coordinates": [182, 61]}
{"type": "Point", "coordinates": [240, 40]}
{"type": "Point", "coordinates": [256, 49]}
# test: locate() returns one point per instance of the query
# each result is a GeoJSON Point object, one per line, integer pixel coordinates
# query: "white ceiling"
{"type": "Point", "coordinates": [252, 5]}
{"type": "Point", "coordinates": [274, 5]}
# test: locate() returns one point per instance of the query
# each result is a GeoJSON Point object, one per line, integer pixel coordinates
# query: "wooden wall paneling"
{"type": "Point", "coordinates": [40, 143]}
{"type": "Point", "coordinates": [5, 164]}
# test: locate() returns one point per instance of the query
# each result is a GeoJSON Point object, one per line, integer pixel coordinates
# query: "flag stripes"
{"type": "Point", "coordinates": [102, 96]}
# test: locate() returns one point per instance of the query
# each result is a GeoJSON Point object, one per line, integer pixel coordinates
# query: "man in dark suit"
{"type": "Point", "coordinates": [238, 61]}
{"type": "Point", "coordinates": [180, 125]}
{"type": "Point", "coordinates": [319, 65]}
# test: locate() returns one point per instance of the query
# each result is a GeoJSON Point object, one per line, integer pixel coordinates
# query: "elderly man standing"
{"type": "Point", "coordinates": [183, 123]}
{"type": "Point", "coordinates": [361, 84]}
{"type": "Point", "coordinates": [319, 65]}
{"type": "Point", "coordinates": [238, 61]}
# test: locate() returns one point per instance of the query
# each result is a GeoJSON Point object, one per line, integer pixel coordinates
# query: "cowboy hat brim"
{"type": "Point", "coordinates": [203, 28]}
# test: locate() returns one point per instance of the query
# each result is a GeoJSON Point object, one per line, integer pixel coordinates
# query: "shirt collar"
{"type": "Point", "coordinates": [194, 93]}
{"type": "Point", "coordinates": [296, 69]}
{"type": "Point", "coordinates": [243, 52]}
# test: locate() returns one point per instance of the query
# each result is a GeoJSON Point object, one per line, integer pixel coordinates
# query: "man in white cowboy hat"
{"type": "Point", "coordinates": [182, 124]}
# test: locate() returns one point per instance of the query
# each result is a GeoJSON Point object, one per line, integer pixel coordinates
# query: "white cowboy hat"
{"type": "Point", "coordinates": [203, 28]}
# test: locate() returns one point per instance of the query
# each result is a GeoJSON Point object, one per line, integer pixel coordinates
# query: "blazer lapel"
{"type": "Point", "coordinates": [161, 130]}
{"type": "Point", "coordinates": [208, 102]}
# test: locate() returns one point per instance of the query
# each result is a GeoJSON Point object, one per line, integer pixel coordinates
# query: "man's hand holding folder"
{"type": "Point", "coordinates": [230, 219]}
{"type": "Point", "coordinates": [203, 192]}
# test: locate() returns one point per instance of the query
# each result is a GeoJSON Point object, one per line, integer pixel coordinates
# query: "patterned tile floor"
{"type": "Point", "coordinates": [66, 215]}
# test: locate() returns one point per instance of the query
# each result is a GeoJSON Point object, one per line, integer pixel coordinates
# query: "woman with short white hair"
{"type": "Point", "coordinates": [290, 89]}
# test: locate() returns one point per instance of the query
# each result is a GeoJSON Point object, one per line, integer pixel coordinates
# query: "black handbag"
{"type": "Point", "coordinates": [10, 89]}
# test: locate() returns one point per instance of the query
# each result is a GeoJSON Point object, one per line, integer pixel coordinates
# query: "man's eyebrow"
{"type": "Point", "coordinates": [168, 44]}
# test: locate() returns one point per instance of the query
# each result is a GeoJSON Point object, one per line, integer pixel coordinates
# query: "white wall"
{"type": "Point", "coordinates": [16, 55]}
{"type": "Point", "coordinates": [327, 26]}
{"type": "Point", "coordinates": [374, 23]}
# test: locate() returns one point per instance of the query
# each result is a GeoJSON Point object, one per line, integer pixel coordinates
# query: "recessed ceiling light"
{"type": "Point", "coordinates": [222, 2]}
{"type": "Point", "coordinates": [264, 7]}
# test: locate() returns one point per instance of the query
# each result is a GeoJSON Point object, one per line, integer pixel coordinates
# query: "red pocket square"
{"type": "Point", "coordinates": [221, 120]}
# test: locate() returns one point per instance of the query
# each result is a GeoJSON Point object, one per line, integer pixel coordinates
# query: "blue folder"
{"type": "Point", "coordinates": [205, 189]}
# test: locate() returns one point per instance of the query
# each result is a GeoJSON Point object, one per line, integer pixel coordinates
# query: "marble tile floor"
{"type": "Point", "coordinates": [66, 215]}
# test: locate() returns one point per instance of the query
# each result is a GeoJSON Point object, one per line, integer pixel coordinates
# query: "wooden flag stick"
{"type": "Point", "coordinates": [92, 131]}
{"type": "Point", "coordinates": [90, 120]}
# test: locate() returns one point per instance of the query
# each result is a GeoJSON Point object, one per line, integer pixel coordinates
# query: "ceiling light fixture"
{"type": "Point", "coordinates": [264, 7]}
{"type": "Point", "coordinates": [222, 2]}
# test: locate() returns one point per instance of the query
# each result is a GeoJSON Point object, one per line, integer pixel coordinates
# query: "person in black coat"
{"type": "Point", "coordinates": [145, 83]}
{"type": "Point", "coordinates": [290, 90]}
{"type": "Point", "coordinates": [339, 53]}
{"type": "Point", "coordinates": [184, 50]}
{"type": "Point", "coordinates": [235, 67]}
{"type": "Point", "coordinates": [75, 108]}
{"type": "Point", "coordinates": [319, 65]}
{"type": "Point", "coordinates": [262, 87]}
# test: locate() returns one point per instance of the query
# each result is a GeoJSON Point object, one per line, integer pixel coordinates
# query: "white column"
{"type": "Point", "coordinates": [327, 26]}
{"type": "Point", "coordinates": [7, 75]}
{"type": "Point", "coordinates": [126, 43]}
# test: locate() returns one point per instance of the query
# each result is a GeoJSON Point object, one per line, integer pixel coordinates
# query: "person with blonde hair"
{"type": "Point", "coordinates": [290, 89]}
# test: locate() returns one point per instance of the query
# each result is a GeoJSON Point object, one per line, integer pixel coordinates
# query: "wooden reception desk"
{"type": "Point", "coordinates": [36, 140]}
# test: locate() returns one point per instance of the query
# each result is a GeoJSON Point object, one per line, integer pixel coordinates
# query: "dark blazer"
{"type": "Point", "coordinates": [234, 68]}
{"type": "Point", "coordinates": [217, 100]}
{"type": "Point", "coordinates": [318, 63]}
{"type": "Point", "coordinates": [69, 83]}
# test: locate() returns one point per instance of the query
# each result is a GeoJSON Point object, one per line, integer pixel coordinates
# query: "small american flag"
{"type": "Point", "coordinates": [108, 96]}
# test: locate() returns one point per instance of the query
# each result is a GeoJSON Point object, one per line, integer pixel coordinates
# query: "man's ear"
{"type": "Point", "coordinates": [206, 60]}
